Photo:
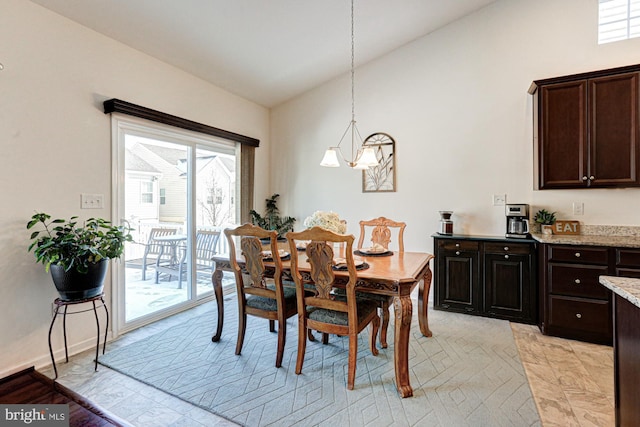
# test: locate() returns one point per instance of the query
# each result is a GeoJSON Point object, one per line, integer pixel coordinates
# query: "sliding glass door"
{"type": "Point", "coordinates": [176, 190]}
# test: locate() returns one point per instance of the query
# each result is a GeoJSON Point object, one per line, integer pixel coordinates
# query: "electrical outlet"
{"type": "Point", "coordinates": [578, 208]}
{"type": "Point", "coordinates": [499, 199]}
{"type": "Point", "coordinates": [91, 201]}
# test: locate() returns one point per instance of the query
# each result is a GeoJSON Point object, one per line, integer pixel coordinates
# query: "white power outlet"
{"type": "Point", "coordinates": [91, 201]}
{"type": "Point", "coordinates": [578, 208]}
{"type": "Point", "coordinates": [499, 199]}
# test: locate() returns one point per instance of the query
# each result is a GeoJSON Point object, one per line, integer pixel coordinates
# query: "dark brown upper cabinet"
{"type": "Point", "coordinates": [586, 130]}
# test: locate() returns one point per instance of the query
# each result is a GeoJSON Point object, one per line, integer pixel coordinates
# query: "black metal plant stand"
{"type": "Point", "coordinates": [59, 303]}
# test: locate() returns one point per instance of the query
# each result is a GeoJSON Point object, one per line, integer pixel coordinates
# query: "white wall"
{"type": "Point", "coordinates": [456, 103]}
{"type": "Point", "coordinates": [56, 144]}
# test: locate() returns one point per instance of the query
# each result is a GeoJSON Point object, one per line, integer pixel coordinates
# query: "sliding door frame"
{"type": "Point", "coordinates": [150, 119]}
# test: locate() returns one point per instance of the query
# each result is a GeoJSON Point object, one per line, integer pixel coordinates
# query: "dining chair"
{"type": "Point", "coordinates": [255, 295]}
{"type": "Point", "coordinates": [381, 231]}
{"type": "Point", "coordinates": [322, 310]}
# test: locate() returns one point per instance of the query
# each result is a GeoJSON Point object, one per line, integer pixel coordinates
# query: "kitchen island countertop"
{"type": "Point", "coordinates": [626, 287]}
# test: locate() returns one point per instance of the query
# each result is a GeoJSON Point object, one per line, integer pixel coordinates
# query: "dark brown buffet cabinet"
{"type": "Point", "coordinates": [486, 276]}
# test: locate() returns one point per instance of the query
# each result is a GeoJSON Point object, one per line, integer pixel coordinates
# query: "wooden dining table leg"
{"type": "Point", "coordinates": [216, 279]}
{"type": "Point", "coordinates": [423, 302]}
{"type": "Point", "coordinates": [403, 310]}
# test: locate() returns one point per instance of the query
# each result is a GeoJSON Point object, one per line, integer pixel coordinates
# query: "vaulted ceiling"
{"type": "Point", "coordinates": [267, 51]}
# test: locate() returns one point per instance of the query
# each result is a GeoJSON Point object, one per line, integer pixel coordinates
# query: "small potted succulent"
{"type": "Point", "coordinates": [76, 254]}
{"type": "Point", "coordinates": [546, 219]}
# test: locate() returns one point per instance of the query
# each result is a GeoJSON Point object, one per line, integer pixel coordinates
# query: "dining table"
{"type": "Point", "coordinates": [397, 275]}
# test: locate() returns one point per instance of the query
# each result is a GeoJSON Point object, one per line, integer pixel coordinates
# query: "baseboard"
{"type": "Point", "coordinates": [44, 361]}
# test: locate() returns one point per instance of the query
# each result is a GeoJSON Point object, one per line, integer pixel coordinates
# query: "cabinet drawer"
{"type": "Point", "coordinates": [507, 248]}
{"type": "Point", "coordinates": [462, 245]}
{"type": "Point", "coordinates": [628, 257]}
{"type": "Point", "coordinates": [592, 316]}
{"type": "Point", "coordinates": [579, 281]}
{"type": "Point", "coordinates": [581, 254]}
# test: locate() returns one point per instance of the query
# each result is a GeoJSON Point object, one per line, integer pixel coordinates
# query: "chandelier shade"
{"type": "Point", "coordinates": [330, 159]}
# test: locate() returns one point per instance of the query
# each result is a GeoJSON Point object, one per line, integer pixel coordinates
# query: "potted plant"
{"type": "Point", "coordinates": [76, 254]}
{"type": "Point", "coordinates": [272, 219]}
{"type": "Point", "coordinates": [546, 219]}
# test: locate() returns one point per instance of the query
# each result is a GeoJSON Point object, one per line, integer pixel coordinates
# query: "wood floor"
{"type": "Point", "coordinates": [32, 387]}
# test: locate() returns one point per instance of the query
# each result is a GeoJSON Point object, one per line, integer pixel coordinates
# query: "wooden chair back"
{"type": "Point", "coordinates": [250, 279]}
{"type": "Point", "coordinates": [321, 278]}
{"type": "Point", "coordinates": [381, 232]}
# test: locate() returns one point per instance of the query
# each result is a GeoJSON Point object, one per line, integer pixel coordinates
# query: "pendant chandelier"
{"type": "Point", "coordinates": [361, 157]}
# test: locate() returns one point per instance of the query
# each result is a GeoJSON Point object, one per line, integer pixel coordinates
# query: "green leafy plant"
{"type": "Point", "coordinates": [545, 217]}
{"type": "Point", "coordinates": [272, 219]}
{"type": "Point", "coordinates": [73, 245]}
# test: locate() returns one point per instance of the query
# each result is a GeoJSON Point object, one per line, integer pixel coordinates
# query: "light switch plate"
{"type": "Point", "coordinates": [578, 208]}
{"type": "Point", "coordinates": [499, 199]}
{"type": "Point", "coordinates": [91, 201]}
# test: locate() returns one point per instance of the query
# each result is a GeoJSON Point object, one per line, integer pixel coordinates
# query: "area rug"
{"type": "Point", "coordinates": [468, 374]}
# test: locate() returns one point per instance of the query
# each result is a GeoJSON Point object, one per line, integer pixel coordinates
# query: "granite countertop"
{"type": "Point", "coordinates": [589, 240]}
{"type": "Point", "coordinates": [596, 235]}
{"type": "Point", "coordinates": [625, 287]}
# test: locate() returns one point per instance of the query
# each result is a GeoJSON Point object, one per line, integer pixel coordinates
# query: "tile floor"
{"type": "Point", "coordinates": [571, 381]}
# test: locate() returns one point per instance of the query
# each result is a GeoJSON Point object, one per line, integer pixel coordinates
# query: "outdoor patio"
{"type": "Point", "coordinates": [145, 296]}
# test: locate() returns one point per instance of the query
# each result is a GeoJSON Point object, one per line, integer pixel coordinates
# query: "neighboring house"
{"type": "Point", "coordinates": [215, 192]}
{"type": "Point", "coordinates": [156, 186]}
{"type": "Point", "coordinates": [141, 179]}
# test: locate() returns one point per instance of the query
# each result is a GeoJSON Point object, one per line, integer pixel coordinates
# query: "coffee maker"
{"type": "Point", "coordinates": [517, 221]}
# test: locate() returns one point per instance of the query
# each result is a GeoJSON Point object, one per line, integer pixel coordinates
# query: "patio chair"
{"type": "Point", "coordinates": [152, 250]}
{"type": "Point", "coordinates": [324, 311]}
{"type": "Point", "coordinates": [206, 248]}
{"type": "Point", "coordinates": [256, 296]}
{"type": "Point", "coordinates": [206, 244]}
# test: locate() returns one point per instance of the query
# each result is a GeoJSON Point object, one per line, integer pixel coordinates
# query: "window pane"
{"type": "Point", "coordinates": [156, 273]}
{"type": "Point", "coordinates": [618, 20]}
{"type": "Point", "coordinates": [215, 208]}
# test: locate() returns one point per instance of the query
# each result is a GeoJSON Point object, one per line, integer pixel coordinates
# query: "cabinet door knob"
{"type": "Point", "coordinates": [457, 245]}
{"type": "Point", "coordinates": [506, 248]}
{"type": "Point", "coordinates": [579, 316]}
{"type": "Point", "coordinates": [506, 257]}
{"type": "Point", "coordinates": [577, 281]}
{"type": "Point", "coordinates": [592, 177]}
{"type": "Point", "coordinates": [457, 252]}
{"type": "Point", "coordinates": [584, 178]}
{"type": "Point", "coordinates": [578, 254]}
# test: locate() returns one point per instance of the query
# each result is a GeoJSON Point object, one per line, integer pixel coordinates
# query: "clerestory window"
{"type": "Point", "coordinates": [618, 20]}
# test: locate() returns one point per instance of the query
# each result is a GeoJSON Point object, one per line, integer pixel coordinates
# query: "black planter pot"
{"type": "Point", "coordinates": [72, 285]}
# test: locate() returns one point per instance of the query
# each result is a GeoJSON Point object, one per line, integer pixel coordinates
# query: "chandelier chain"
{"type": "Point", "coordinates": [353, 96]}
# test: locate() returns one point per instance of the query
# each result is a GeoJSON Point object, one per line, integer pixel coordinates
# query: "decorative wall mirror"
{"type": "Point", "coordinates": [380, 178]}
